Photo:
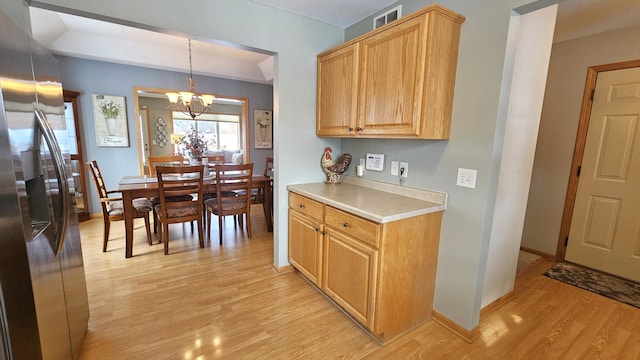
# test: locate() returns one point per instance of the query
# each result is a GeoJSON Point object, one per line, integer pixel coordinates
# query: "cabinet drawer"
{"type": "Point", "coordinates": [306, 206]}
{"type": "Point", "coordinates": [352, 225]}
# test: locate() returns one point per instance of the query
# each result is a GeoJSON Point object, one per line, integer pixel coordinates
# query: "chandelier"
{"type": "Point", "coordinates": [190, 102]}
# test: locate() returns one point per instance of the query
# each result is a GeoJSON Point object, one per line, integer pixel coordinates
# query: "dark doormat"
{"type": "Point", "coordinates": [625, 291]}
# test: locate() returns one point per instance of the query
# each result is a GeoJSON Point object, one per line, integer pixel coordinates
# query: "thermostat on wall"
{"type": "Point", "coordinates": [375, 162]}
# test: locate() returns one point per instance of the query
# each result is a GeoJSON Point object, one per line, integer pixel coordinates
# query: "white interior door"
{"type": "Point", "coordinates": [605, 227]}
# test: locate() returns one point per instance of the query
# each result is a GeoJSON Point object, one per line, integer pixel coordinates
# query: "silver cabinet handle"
{"type": "Point", "coordinates": [60, 170]}
{"type": "Point", "coordinates": [301, 206]}
{"type": "Point", "coordinates": [345, 225]}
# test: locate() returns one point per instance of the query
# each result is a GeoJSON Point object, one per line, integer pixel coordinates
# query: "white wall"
{"type": "Point", "coordinates": [559, 124]}
{"type": "Point", "coordinates": [532, 37]}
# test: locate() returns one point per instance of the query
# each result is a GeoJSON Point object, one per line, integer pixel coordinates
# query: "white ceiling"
{"type": "Point", "coordinates": [75, 36]}
{"type": "Point", "coordinates": [340, 13]}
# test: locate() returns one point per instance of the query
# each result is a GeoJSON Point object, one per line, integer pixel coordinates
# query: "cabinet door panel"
{"type": "Point", "coordinates": [337, 98]}
{"type": "Point", "coordinates": [305, 246]}
{"type": "Point", "coordinates": [349, 276]}
{"type": "Point", "coordinates": [392, 69]}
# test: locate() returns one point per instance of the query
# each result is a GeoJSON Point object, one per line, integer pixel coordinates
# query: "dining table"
{"type": "Point", "coordinates": [137, 186]}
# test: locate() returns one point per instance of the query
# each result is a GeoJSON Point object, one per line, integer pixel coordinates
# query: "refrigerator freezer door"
{"type": "Point", "coordinates": [20, 326]}
{"type": "Point", "coordinates": [43, 295]}
{"type": "Point", "coordinates": [65, 224]}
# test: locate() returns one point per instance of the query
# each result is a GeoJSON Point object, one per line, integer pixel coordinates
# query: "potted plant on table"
{"type": "Point", "coordinates": [195, 146]}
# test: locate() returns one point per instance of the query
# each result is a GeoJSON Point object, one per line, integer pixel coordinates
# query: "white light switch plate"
{"type": "Point", "coordinates": [394, 168]}
{"type": "Point", "coordinates": [467, 178]}
{"type": "Point", "coordinates": [375, 162]}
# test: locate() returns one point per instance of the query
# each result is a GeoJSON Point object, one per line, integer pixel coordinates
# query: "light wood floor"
{"type": "Point", "coordinates": [228, 303]}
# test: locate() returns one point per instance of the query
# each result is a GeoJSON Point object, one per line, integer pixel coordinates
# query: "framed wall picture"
{"type": "Point", "coordinates": [110, 119]}
{"type": "Point", "coordinates": [262, 129]}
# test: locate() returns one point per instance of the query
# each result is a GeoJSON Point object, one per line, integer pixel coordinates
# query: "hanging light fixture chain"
{"type": "Point", "coordinates": [186, 105]}
{"type": "Point", "coordinates": [190, 63]}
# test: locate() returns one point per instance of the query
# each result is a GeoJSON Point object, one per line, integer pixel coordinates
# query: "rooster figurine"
{"type": "Point", "coordinates": [334, 168]}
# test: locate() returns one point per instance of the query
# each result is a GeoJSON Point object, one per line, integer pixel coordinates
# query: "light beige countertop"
{"type": "Point", "coordinates": [376, 201]}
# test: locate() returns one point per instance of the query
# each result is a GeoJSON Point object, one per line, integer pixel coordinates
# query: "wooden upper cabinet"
{"type": "Point", "coordinates": [392, 69]}
{"type": "Point", "coordinates": [337, 98]}
{"type": "Point", "coordinates": [405, 75]}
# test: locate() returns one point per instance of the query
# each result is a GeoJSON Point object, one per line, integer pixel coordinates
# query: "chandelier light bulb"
{"type": "Point", "coordinates": [207, 99]}
{"type": "Point", "coordinates": [173, 97]}
{"type": "Point", "coordinates": [186, 97]}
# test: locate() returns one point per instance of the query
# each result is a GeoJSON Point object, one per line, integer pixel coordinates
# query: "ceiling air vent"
{"type": "Point", "coordinates": [389, 16]}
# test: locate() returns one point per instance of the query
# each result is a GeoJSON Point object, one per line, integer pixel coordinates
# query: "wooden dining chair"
{"type": "Point", "coordinates": [257, 195]}
{"type": "Point", "coordinates": [233, 189]}
{"type": "Point", "coordinates": [168, 160]}
{"type": "Point", "coordinates": [268, 166]}
{"type": "Point", "coordinates": [268, 172]}
{"type": "Point", "coordinates": [212, 161]}
{"type": "Point", "coordinates": [176, 182]}
{"type": "Point", "coordinates": [112, 207]}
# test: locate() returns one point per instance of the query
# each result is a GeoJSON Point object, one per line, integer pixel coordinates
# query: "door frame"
{"type": "Point", "coordinates": [578, 152]}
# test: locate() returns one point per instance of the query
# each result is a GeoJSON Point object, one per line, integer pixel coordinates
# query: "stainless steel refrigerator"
{"type": "Point", "coordinates": [44, 308]}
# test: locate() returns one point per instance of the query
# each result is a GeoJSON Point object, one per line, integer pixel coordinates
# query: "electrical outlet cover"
{"type": "Point", "coordinates": [404, 169]}
{"type": "Point", "coordinates": [467, 178]}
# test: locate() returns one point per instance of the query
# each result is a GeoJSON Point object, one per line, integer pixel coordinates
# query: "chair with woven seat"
{"type": "Point", "coordinates": [175, 182]}
{"type": "Point", "coordinates": [233, 189]}
{"type": "Point", "coordinates": [168, 160]}
{"type": "Point", "coordinates": [113, 209]}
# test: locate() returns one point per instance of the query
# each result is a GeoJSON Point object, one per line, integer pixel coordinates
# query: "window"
{"type": "Point", "coordinates": [220, 131]}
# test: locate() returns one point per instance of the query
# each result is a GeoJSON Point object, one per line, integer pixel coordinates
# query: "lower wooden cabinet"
{"type": "Point", "coordinates": [382, 275]}
{"type": "Point", "coordinates": [350, 275]}
{"type": "Point", "coordinates": [305, 245]}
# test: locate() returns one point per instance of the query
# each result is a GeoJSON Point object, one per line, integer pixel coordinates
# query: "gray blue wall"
{"type": "Point", "coordinates": [97, 77]}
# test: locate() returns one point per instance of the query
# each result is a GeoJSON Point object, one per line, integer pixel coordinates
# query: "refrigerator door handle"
{"type": "Point", "coordinates": [63, 185]}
